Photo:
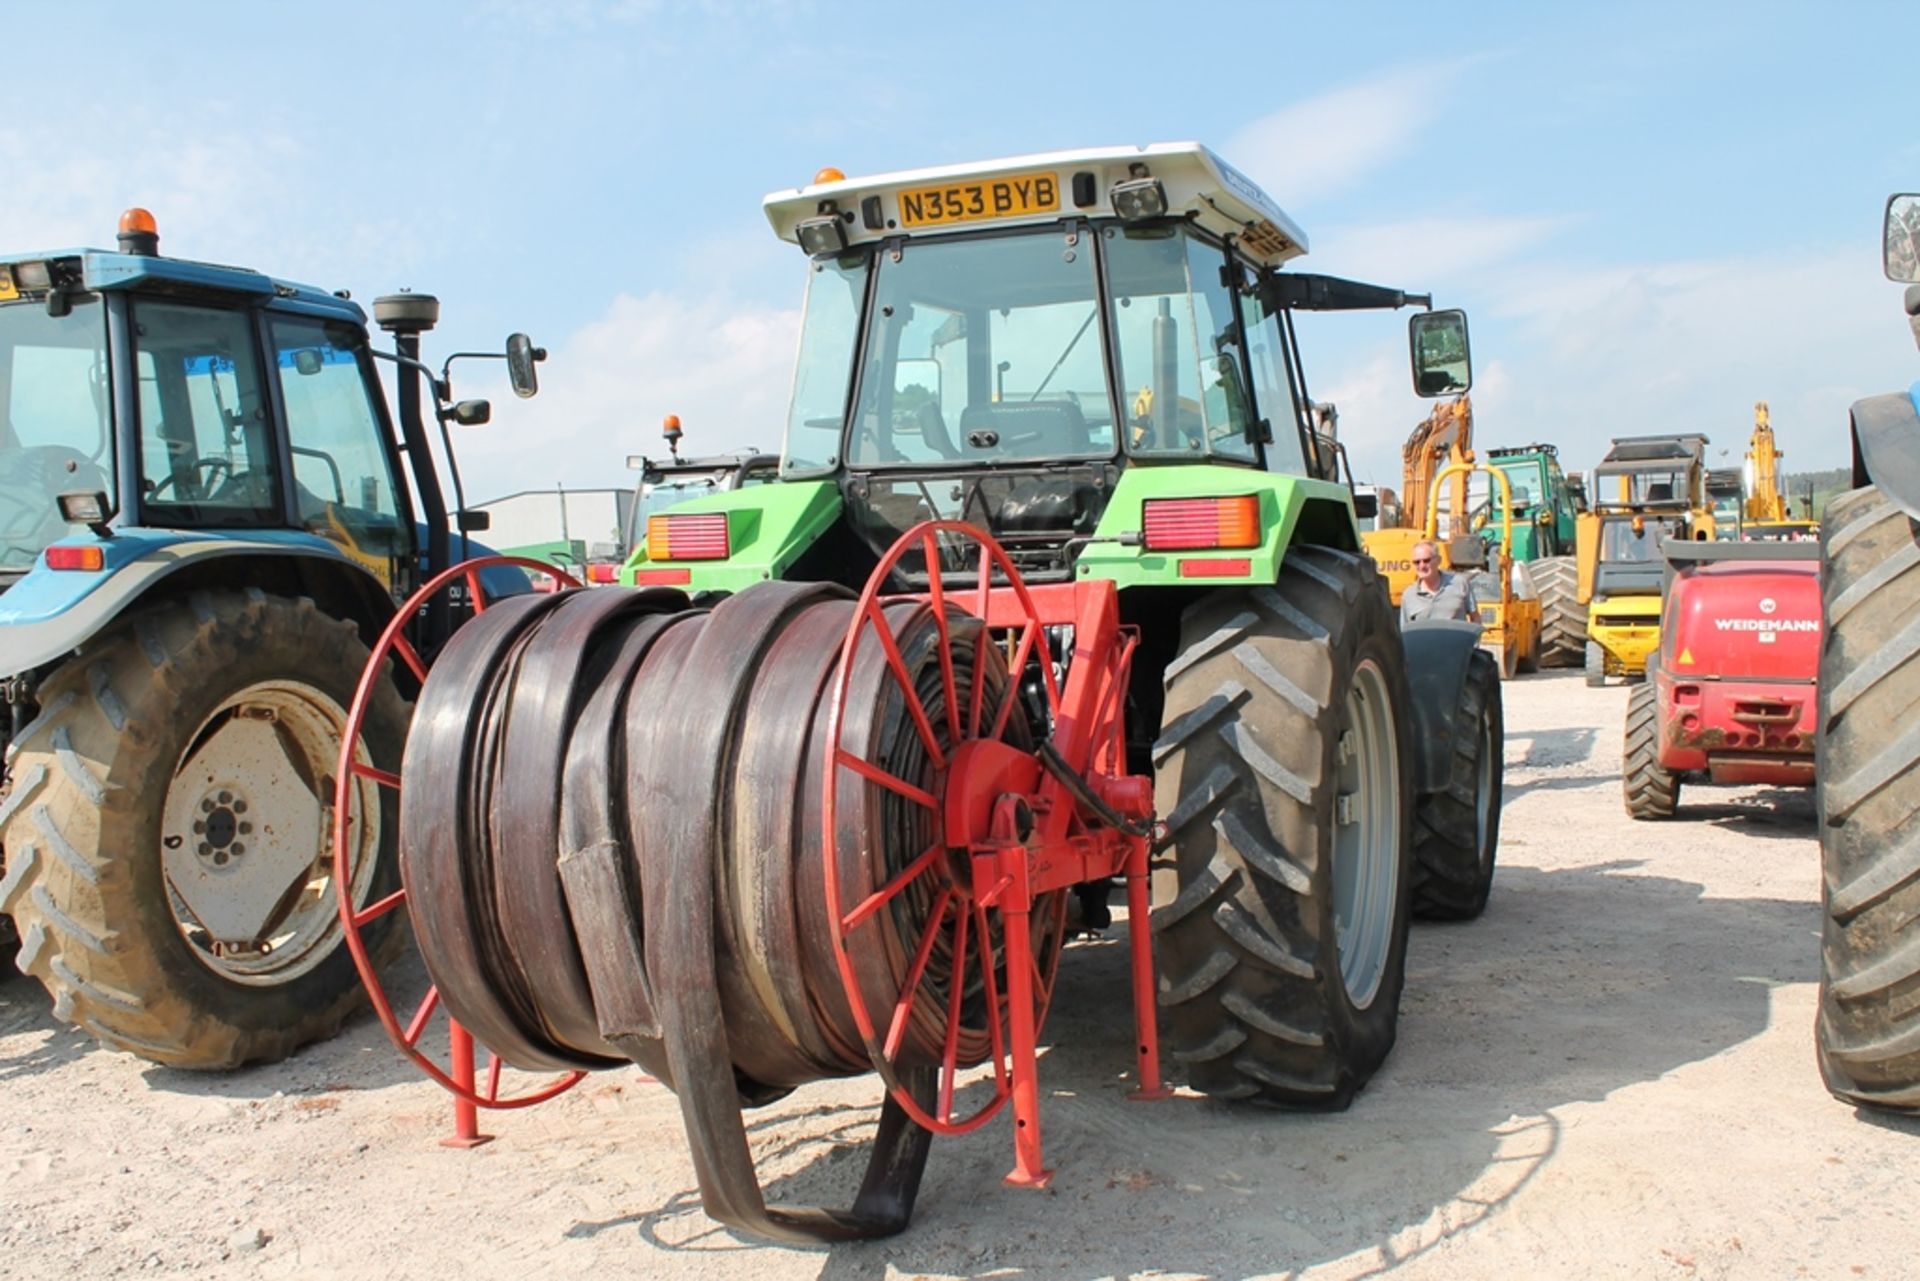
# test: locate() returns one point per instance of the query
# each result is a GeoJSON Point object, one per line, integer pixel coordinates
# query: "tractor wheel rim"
{"type": "Point", "coordinates": [245, 845]}
{"type": "Point", "coordinates": [1366, 836]}
{"type": "Point", "coordinates": [1483, 791]}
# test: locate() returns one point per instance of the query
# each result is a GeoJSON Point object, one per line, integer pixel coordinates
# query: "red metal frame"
{"type": "Point", "coordinates": [1026, 838]}
{"type": "Point", "coordinates": [459, 1077]}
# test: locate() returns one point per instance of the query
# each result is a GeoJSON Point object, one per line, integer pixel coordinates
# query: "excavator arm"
{"type": "Point", "coordinates": [1764, 502]}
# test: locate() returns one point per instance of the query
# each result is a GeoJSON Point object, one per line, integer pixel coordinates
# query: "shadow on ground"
{"type": "Point", "coordinates": [360, 1058]}
{"type": "Point", "coordinates": [1577, 983]}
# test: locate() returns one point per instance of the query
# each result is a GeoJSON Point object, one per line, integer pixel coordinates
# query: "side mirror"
{"type": "Point", "coordinates": [521, 357]}
{"type": "Point", "coordinates": [1442, 360]}
{"type": "Point", "coordinates": [1900, 248]}
{"type": "Point", "coordinates": [307, 361]}
{"type": "Point", "coordinates": [474, 522]}
{"type": "Point", "coordinates": [471, 413]}
{"type": "Point", "coordinates": [1366, 506]}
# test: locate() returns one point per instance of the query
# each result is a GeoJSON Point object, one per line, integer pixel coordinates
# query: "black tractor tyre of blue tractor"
{"type": "Point", "coordinates": [102, 924]}
{"type": "Point", "coordinates": [1868, 767]}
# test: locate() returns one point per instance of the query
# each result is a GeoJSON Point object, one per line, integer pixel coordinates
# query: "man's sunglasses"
{"type": "Point", "coordinates": [1423, 560]}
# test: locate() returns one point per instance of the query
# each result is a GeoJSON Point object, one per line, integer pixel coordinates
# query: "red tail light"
{"type": "Point", "coordinates": [85, 558]}
{"type": "Point", "coordinates": [603, 573]}
{"type": "Point", "coordinates": [701, 537]}
{"type": "Point", "coordinates": [1193, 524]}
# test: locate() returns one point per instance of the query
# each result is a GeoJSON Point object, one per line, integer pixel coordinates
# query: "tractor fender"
{"type": "Point", "coordinates": [1438, 651]}
{"type": "Point", "coordinates": [49, 613]}
{"type": "Point", "coordinates": [1886, 447]}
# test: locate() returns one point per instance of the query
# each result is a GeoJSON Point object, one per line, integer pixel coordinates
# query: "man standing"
{"type": "Point", "coordinates": [1434, 593]}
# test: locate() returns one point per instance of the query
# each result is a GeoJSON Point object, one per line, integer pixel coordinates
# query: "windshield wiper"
{"type": "Point", "coordinates": [1071, 344]}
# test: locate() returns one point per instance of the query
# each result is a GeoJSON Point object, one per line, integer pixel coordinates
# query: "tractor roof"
{"type": "Point", "coordinates": [1044, 188]}
{"type": "Point", "coordinates": [103, 269]}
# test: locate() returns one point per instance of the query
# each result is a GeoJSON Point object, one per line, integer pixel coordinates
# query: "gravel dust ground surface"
{"type": "Point", "coordinates": [1609, 1075]}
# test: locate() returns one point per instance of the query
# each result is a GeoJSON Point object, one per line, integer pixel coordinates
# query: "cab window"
{"type": "Point", "coordinates": [1177, 335]}
{"type": "Point", "coordinates": [206, 438]}
{"type": "Point", "coordinates": [343, 481]}
{"type": "Point", "coordinates": [1272, 394]}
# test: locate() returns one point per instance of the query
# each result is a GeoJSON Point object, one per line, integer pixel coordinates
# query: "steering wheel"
{"type": "Point", "coordinates": [211, 465]}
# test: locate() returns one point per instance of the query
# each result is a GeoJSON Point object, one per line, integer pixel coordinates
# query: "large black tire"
{"type": "Point", "coordinates": [1596, 665]}
{"type": "Point", "coordinates": [135, 716]}
{"type": "Point", "coordinates": [1649, 788]}
{"type": "Point", "coordinates": [1250, 772]}
{"type": "Point", "coordinates": [1456, 831]}
{"type": "Point", "coordinates": [1869, 794]}
{"type": "Point", "coordinates": [1563, 619]}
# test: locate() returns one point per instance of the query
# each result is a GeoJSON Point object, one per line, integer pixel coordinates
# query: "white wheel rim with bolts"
{"type": "Point", "coordinates": [244, 833]}
{"type": "Point", "coordinates": [1366, 835]}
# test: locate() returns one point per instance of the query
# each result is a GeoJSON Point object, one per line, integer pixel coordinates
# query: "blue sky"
{"type": "Point", "coordinates": [1655, 214]}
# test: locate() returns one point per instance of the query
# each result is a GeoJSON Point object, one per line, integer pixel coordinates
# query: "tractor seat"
{"type": "Point", "coordinates": [1025, 429]}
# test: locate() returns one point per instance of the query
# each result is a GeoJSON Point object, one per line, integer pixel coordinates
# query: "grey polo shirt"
{"type": "Point", "coordinates": [1452, 599]}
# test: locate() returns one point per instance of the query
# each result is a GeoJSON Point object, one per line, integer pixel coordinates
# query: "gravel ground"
{"type": "Point", "coordinates": [1609, 1075]}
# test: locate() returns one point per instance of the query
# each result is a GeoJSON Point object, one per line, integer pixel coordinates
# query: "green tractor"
{"type": "Point", "coordinates": [1057, 585]}
{"type": "Point", "coordinates": [1547, 504]}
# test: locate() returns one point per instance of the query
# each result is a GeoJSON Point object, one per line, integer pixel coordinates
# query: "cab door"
{"type": "Point", "coordinates": [346, 484]}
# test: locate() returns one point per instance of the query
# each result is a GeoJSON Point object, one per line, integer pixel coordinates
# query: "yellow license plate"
{"type": "Point", "coordinates": [1015, 197]}
{"type": "Point", "coordinates": [8, 291]}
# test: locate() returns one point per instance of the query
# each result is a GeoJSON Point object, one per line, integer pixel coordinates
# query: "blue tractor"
{"type": "Point", "coordinates": [1867, 752]}
{"type": "Point", "coordinates": [207, 514]}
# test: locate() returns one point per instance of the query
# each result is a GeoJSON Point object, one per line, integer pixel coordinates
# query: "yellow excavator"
{"type": "Point", "coordinates": [1766, 515]}
{"type": "Point", "coordinates": [1441, 444]}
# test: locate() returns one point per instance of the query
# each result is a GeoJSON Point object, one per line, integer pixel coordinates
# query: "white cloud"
{"type": "Point", "coordinates": [1576, 354]}
{"type": "Point", "coordinates": [723, 366]}
{"type": "Point", "coordinates": [1423, 252]}
{"type": "Point", "coordinates": [1316, 147]}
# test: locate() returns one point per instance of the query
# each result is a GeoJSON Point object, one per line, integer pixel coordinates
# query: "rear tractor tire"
{"type": "Point", "coordinates": [1456, 831]}
{"type": "Point", "coordinates": [168, 835]}
{"type": "Point", "coordinates": [1868, 797]}
{"type": "Point", "coordinates": [1596, 665]}
{"type": "Point", "coordinates": [1282, 904]}
{"type": "Point", "coordinates": [1651, 790]}
{"type": "Point", "coordinates": [1563, 620]}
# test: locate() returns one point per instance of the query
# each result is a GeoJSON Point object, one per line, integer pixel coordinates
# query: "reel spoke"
{"type": "Point", "coordinates": [936, 593]}
{"type": "Point", "coordinates": [875, 901]}
{"type": "Point", "coordinates": [418, 1023]}
{"type": "Point", "coordinates": [956, 992]}
{"type": "Point", "coordinates": [910, 990]}
{"type": "Point", "coordinates": [893, 783]}
{"type": "Point", "coordinates": [373, 912]}
{"type": "Point", "coordinates": [898, 666]}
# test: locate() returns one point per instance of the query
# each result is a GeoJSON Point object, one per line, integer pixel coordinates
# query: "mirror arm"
{"type": "Point", "coordinates": [1304, 291]}
{"type": "Point", "coordinates": [442, 391]}
{"type": "Point", "coordinates": [468, 355]}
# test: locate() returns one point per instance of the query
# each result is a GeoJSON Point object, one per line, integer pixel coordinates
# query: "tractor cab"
{"type": "Point", "coordinates": [997, 343]}
{"type": "Point", "coordinates": [146, 394]}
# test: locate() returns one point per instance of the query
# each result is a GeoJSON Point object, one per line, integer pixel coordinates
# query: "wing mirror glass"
{"type": "Point", "coordinates": [1442, 360]}
{"type": "Point", "coordinates": [1900, 254]}
{"type": "Point", "coordinates": [474, 522]}
{"type": "Point", "coordinates": [522, 355]}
